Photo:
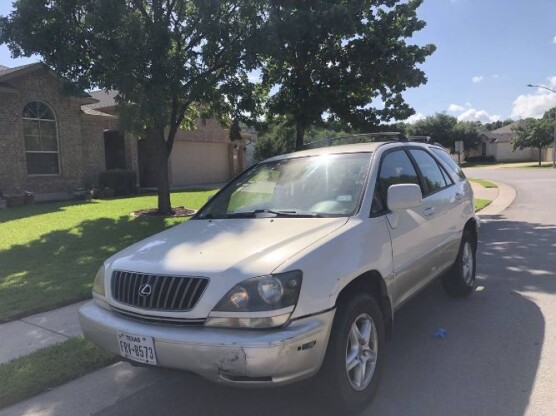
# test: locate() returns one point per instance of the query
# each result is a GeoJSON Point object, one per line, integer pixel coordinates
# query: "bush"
{"type": "Point", "coordinates": [123, 182]}
{"type": "Point", "coordinates": [480, 159]}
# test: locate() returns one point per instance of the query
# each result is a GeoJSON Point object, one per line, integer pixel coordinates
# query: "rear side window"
{"type": "Point", "coordinates": [396, 168]}
{"type": "Point", "coordinates": [435, 179]}
{"type": "Point", "coordinates": [445, 157]}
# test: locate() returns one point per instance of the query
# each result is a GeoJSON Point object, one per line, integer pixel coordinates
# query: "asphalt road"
{"type": "Point", "coordinates": [499, 357]}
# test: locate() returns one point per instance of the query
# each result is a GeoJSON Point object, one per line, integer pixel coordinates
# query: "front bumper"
{"type": "Point", "coordinates": [233, 356]}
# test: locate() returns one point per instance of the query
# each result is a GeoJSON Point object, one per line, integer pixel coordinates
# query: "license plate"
{"type": "Point", "coordinates": [137, 348]}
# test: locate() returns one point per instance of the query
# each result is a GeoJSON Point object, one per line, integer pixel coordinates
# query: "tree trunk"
{"type": "Point", "coordinates": [299, 134]}
{"type": "Point", "coordinates": [160, 157]}
{"type": "Point", "coordinates": [540, 156]}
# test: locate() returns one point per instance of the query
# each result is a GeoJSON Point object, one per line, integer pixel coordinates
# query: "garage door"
{"type": "Point", "coordinates": [199, 163]}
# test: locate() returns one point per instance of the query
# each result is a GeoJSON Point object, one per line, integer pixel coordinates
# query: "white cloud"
{"type": "Point", "coordinates": [554, 39]}
{"type": "Point", "coordinates": [477, 78]}
{"type": "Point", "coordinates": [535, 104]}
{"type": "Point", "coordinates": [495, 75]}
{"type": "Point", "coordinates": [478, 115]}
{"type": "Point", "coordinates": [415, 118]}
{"type": "Point", "coordinates": [454, 108]}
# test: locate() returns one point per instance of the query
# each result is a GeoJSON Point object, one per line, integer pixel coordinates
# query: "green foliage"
{"type": "Point", "coordinates": [50, 252]}
{"type": "Point", "coordinates": [123, 182]}
{"type": "Point", "coordinates": [334, 57]}
{"type": "Point", "coordinates": [446, 130]}
{"type": "Point", "coordinates": [496, 125]}
{"type": "Point", "coordinates": [49, 367]}
{"type": "Point", "coordinates": [279, 137]}
{"type": "Point", "coordinates": [481, 203]}
{"type": "Point", "coordinates": [535, 133]}
{"type": "Point", "coordinates": [163, 57]}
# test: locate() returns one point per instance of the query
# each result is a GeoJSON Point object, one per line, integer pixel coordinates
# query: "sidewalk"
{"type": "Point", "coordinates": [29, 334]}
{"type": "Point", "coordinates": [501, 197]}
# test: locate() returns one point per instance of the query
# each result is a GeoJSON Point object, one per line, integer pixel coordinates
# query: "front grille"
{"type": "Point", "coordinates": [166, 293]}
{"type": "Point", "coordinates": [151, 319]}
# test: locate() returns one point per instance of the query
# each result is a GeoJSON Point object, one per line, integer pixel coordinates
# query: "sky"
{"type": "Point", "coordinates": [488, 51]}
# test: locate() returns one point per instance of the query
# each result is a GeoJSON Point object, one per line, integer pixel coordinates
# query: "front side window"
{"type": "Point", "coordinates": [41, 139]}
{"type": "Point", "coordinates": [434, 178]}
{"type": "Point", "coordinates": [396, 168]}
{"type": "Point", "coordinates": [328, 185]}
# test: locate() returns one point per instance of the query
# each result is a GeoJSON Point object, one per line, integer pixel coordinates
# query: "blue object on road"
{"type": "Point", "coordinates": [440, 333]}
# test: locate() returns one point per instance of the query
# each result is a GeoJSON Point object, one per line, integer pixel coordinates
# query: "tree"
{"type": "Point", "coordinates": [332, 58]}
{"type": "Point", "coordinates": [278, 137]}
{"type": "Point", "coordinates": [496, 124]}
{"type": "Point", "coordinates": [439, 127]}
{"type": "Point", "coordinates": [467, 132]}
{"type": "Point", "coordinates": [446, 130]}
{"type": "Point", "coordinates": [168, 59]}
{"type": "Point", "coordinates": [535, 133]}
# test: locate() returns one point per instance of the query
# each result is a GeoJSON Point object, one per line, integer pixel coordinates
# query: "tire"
{"type": "Point", "coordinates": [460, 279]}
{"type": "Point", "coordinates": [340, 386]}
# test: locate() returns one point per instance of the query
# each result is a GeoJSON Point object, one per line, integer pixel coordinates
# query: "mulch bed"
{"type": "Point", "coordinates": [153, 212]}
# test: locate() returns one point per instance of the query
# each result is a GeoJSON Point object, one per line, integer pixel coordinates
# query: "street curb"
{"type": "Point", "coordinates": [506, 195]}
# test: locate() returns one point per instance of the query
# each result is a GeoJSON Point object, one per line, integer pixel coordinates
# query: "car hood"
{"type": "Point", "coordinates": [227, 247]}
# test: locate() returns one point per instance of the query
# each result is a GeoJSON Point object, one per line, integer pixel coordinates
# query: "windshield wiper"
{"type": "Point", "coordinates": [277, 213]}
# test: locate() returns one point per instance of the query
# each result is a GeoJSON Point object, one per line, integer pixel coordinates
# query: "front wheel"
{"type": "Point", "coordinates": [460, 279]}
{"type": "Point", "coordinates": [351, 370]}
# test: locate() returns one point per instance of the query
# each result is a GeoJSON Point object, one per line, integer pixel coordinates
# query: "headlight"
{"type": "Point", "coordinates": [261, 302]}
{"type": "Point", "coordinates": [98, 285]}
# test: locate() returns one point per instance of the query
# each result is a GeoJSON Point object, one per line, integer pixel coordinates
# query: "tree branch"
{"type": "Point", "coordinates": [178, 114]}
{"type": "Point", "coordinates": [141, 7]}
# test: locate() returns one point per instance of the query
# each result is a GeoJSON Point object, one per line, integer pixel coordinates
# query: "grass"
{"type": "Point", "coordinates": [44, 369]}
{"type": "Point", "coordinates": [484, 183]}
{"type": "Point", "coordinates": [536, 165]}
{"type": "Point", "coordinates": [49, 253]}
{"type": "Point", "coordinates": [479, 164]}
{"type": "Point", "coordinates": [481, 203]}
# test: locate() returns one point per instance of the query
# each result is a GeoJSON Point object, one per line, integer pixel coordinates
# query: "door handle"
{"type": "Point", "coordinates": [429, 211]}
{"type": "Point", "coordinates": [459, 195]}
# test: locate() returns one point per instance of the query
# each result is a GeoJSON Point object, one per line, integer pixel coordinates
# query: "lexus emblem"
{"type": "Point", "coordinates": [145, 289]}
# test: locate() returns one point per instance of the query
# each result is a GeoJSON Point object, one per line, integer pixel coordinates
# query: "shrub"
{"type": "Point", "coordinates": [123, 182]}
{"type": "Point", "coordinates": [480, 159]}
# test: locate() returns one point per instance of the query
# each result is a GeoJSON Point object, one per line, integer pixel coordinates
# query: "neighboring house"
{"type": "Point", "coordinates": [498, 144]}
{"type": "Point", "coordinates": [52, 143]}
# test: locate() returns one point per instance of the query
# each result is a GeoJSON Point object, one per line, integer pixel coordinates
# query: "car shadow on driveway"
{"type": "Point", "coordinates": [486, 365]}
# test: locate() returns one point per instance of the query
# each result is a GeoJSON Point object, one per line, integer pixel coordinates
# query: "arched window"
{"type": "Point", "coordinates": [41, 139]}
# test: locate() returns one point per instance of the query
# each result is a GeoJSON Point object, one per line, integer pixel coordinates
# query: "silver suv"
{"type": "Point", "coordinates": [294, 269]}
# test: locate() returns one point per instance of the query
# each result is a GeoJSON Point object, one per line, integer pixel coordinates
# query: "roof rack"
{"type": "Point", "coordinates": [356, 138]}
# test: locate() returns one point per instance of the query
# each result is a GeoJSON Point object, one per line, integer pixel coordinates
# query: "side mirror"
{"type": "Point", "coordinates": [404, 196]}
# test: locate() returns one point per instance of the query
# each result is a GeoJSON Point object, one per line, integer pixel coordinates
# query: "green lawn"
{"type": "Point", "coordinates": [49, 253]}
{"type": "Point", "coordinates": [536, 165]}
{"type": "Point", "coordinates": [481, 203]}
{"type": "Point", "coordinates": [483, 183]}
{"type": "Point", "coordinates": [47, 368]}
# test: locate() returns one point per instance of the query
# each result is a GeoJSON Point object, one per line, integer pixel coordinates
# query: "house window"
{"type": "Point", "coordinates": [41, 139]}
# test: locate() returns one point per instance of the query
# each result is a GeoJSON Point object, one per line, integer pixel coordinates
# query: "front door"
{"type": "Point", "coordinates": [409, 229]}
{"type": "Point", "coordinates": [114, 150]}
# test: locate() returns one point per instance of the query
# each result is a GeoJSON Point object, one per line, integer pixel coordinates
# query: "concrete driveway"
{"type": "Point", "coordinates": [499, 357]}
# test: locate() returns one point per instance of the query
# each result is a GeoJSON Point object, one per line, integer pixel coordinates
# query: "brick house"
{"type": "Point", "coordinates": [52, 143]}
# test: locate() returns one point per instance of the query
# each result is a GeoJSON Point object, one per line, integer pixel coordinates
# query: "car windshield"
{"type": "Point", "coordinates": [315, 186]}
